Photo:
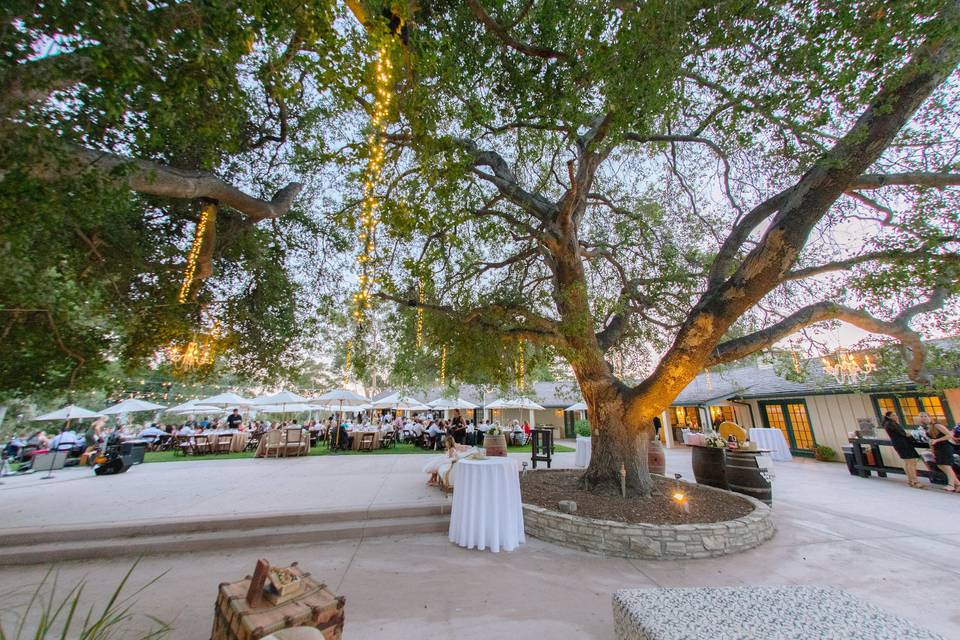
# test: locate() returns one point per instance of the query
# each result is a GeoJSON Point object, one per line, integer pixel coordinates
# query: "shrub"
{"type": "Point", "coordinates": [582, 427]}
{"type": "Point", "coordinates": [824, 453]}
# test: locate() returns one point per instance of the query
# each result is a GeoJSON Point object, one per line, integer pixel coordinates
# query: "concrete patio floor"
{"type": "Point", "coordinates": [878, 539]}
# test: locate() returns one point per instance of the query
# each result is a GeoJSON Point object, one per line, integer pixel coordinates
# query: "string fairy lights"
{"type": "Point", "coordinates": [207, 211]}
{"type": "Point", "coordinates": [346, 363]}
{"type": "Point", "coordinates": [421, 298]}
{"type": "Point", "coordinates": [369, 219]}
{"type": "Point", "coordinates": [520, 365]}
{"type": "Point", "coordinates": [443, 366]}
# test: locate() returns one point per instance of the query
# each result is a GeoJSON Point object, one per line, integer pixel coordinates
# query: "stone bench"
{"type": "Point", "coordinates": [754, 613]}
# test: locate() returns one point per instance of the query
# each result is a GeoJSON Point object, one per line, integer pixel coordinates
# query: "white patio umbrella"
{"type": "Point", "coordinates": [517, 403]}
{"type": "Point", "coordinates": [296, 407]}
{"type": "Point", "coordinates": [131, 405]}
{"type": "Point", "coordinates": [279, 399]}
{"type": "Point", "coordinates": [342, 398]}
{"type": "Point", "coordinates": [189, 404]}
{"type": "Point", "coordinates": [580, 406]}
{"type": "Point", "coordinates": [514, 403]}
{"type": "Point", "coordinates": [197, 408]}
{"type": "Point", "coordinates": [456, 403]}
{"type": "Point", "coordinates": [406, 403]}
{"type": "Point", "coordinates": [386, 402]}
{"type": "Point", "coordinates": [69, 412]}
{"type": "Point", "coordinates": [225, 400]}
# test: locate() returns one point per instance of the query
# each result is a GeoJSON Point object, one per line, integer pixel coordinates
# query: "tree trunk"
{"type": "Point", "coordinates": [621, 441]}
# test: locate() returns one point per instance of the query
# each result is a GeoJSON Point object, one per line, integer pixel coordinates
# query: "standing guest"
{"type": "Point", "coordinates": [904, 447]}
{"type": "Point", "coordinates": [941, 443]}
{"type": "Point", "coordinates": [234, 420]}
{"type": "Point", "coordinates": [457, 427]}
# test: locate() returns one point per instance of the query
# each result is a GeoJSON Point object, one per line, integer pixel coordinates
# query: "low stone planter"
{"type": "Point", "coordinates": [652, 541]}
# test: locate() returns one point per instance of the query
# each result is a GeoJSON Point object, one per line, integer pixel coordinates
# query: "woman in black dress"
{"type": "Point", "coordinates": [941, 443]}
{"type": "Point", "coordinates": [903, 445]}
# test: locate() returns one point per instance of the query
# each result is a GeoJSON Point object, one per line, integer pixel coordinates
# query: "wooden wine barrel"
{"type": "Point", "coordinates": [495, 446]}
{"type": "Point", "coordinates": [744, 476]}
{"type": "Point", "coordinates": [708, 467]}
{"type": "Point", "coordinates": [656, 460]}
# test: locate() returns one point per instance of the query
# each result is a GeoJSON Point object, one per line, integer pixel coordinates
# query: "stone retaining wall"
{"type": "Point", "coordinates": [654, 541]}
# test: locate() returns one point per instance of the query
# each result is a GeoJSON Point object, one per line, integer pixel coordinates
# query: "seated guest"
{"type": "Point", "coordinates": [65, 440]}
{"type": "Point", "coordinates": [151, 433]}
{"type": "Point", "coordinates": [14, 446]}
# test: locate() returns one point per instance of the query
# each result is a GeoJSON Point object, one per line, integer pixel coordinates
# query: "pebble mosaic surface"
{"type": "Point", "coordinates": [755, 613]}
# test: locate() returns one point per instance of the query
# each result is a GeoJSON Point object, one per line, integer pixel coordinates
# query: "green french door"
{"type": "Point", "coordinates": [791, 417]}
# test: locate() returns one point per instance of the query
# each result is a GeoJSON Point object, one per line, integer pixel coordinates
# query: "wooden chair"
{"type": "Point", "coordinates": [201, 445]}
{"type": "Point", "coordinates": [253, 441]}
{"type": "Point", "coordinates": [366, 442]}
{"type": "Point", "coordinates": [293, 439]}
{"type": "Point", "coordinates": [388, 440]}
{"type": "Point", "coordinates": [274, 444]}
{"type": "Point", "coordinates": [224, 442]}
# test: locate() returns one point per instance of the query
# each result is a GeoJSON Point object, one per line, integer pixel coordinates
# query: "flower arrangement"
{"type": "Point", "coordinates": [495, 430]}
{"type": "Point", "coordinates": [714, 440]}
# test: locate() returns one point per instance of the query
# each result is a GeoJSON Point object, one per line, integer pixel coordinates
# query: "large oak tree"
{"type": "Point", "coordinates": [698, 179]}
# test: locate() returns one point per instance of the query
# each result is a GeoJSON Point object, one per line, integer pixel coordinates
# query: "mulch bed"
{"type": "Point", "coordinates": [546, 488]}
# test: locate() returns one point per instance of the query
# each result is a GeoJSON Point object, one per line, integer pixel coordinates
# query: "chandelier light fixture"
{"type": "Point", "coordinates": [847, 368]}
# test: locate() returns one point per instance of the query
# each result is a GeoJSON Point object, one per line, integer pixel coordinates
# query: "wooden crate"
{"type": "Point", "coordinates": [314, 606]}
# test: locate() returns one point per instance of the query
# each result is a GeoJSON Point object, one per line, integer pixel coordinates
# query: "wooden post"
{"type": "Point", "coordinates": [255, 592]}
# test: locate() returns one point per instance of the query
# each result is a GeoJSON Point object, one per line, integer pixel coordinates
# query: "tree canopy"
{"type": "Point", "coordinates": [119, 122]}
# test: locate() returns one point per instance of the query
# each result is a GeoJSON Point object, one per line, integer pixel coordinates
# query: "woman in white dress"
{"type": "Point", "coordinates": [452, 452]}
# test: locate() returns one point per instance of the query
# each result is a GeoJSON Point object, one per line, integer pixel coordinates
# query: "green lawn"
{"type": "Point", "coordinates": [172, 456]}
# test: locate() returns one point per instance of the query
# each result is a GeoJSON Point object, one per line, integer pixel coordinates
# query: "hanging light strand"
{"type": "Point", "coordinates": [346, 363]}
{"type": "Point", "coordinates": [383, 97]}
{"type": "Point", "coordinates": [421, 297]}
{"type": "Point", "coordinates": [443, 366]}
{"type": "Point", "coordinates": [521, 366]}
{"type": "Point", "coordinates": [206, 211]}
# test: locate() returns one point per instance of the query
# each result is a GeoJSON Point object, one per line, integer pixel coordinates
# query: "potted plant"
{"type": "Point", "coordinates": [824, 453]}
{"type": "Point", "coordinates": [495, 442]}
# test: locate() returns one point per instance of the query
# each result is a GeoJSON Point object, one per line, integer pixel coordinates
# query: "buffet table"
{"type": "Point", "coordinates": [773, 440]}
{"type": "Point", "coordinates": [487, 510]}
{"type": "Point", "coordinates": [584, 451]}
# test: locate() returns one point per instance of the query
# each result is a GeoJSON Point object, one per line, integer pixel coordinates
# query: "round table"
{"type": "Point", "coordinates": [773, 440]}
{"type": "Point", "coordinates": [584, 451]}
{"type": "Point", "coordinates": [486, 510]}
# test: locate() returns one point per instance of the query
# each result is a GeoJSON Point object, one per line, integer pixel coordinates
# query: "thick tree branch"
{"type": "Point", "coordinates": [507, 321]}
{"type": "Point", "coordinates": [933, 179]}
{"type": "Point", "coordinates": [898, 328]}
{"type": "Point", "coordinates": [504, 36]}
{"type": "Point", "coordinates": [153, 178]}
{"type": "Point", "coordinates": [890, 255]}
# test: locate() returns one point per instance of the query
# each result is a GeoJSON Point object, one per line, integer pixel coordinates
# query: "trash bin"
{"type": "Point", "coordinates": [848, 458]}
{"type": "Point", "coordinates": [133, 450]}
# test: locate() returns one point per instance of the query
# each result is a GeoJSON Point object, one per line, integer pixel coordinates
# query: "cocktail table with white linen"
{"type": "Point", "coordinates": [773, 440]}
{"type": "Point", "coordinates": [487, 512]}
{"type": "Point", "coordinates": [584, 451]}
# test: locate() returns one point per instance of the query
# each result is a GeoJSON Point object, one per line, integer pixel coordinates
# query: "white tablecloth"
{"type": "Point", "coordinates": [486, 505]}
{"type": "Point", "coordinates": [773, 440]}
{"type": "Point", "coordinates": [584, 451]}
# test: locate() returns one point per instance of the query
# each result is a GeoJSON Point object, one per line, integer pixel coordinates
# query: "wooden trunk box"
{"type": "Point", "coordinates": [314, 606]}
